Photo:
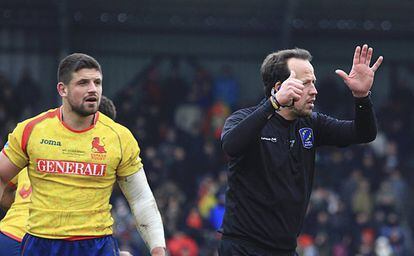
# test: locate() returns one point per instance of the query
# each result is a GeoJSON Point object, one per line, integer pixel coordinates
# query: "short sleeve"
{"type": "Point", "coordinates": [14, 148]}
{"type": "Point", "coordinates": [13, 182]}
{"type": "Point", "coordinates": [131, 160]}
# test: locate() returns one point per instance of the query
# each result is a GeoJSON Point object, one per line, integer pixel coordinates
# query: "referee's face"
{"type": "Point", "coordinates": [84, 91]}
{"type": "Point", "coordinates": [304, 72]}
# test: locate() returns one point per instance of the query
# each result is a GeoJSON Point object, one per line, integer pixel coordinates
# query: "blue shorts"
{"type": "Point", "coordinates": [9, 246]}
{"type": "Point", "coordinates": [37, 246]}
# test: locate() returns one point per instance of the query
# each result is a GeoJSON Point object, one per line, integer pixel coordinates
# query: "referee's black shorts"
{"type": "Point", "coordinates": [236, 247]}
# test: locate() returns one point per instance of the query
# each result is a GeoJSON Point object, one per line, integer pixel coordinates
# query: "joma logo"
{"type": "Point", "coordinates": [51, 142]}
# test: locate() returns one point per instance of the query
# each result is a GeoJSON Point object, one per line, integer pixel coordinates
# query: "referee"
{"type": "Point", "coordinates": [272, 151]}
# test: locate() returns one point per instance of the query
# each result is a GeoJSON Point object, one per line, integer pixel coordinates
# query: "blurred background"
{"type": "Point", "coordinates": [177, 68]}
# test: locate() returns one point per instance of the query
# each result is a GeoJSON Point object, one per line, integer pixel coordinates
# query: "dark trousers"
{"type": "Point", "coordinates": [231, 247]}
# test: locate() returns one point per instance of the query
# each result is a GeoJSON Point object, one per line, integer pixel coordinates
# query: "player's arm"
{"type": "Point", "coordinates": [142, 202]}
{"type": "Point", "coordinates": [7, 171]}
{"type": "Point", "coordinates": [8, 196]}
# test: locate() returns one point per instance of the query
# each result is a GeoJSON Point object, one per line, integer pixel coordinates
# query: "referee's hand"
{"type": "Point", "coordinates": [361, 76]}
{"type": "Point", "coordinates": [290, 91]}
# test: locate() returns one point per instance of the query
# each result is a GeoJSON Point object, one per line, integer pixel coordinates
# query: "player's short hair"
{"type": "Point", "coordinates": [74, 62]}
{"type": "Point", "coordinates": [274, 67]}
{"type": "Point", "coordinates": [107, 107]}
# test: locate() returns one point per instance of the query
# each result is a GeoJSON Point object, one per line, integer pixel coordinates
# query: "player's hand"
{"type": "Point", "coordinates": [361, 76]}
{"type": "Point", "coordinates": [124, 253]}
{"type": "Point", "coordinates": [290, 90]}
{"type": "Point", "coordinates": [158, 251]}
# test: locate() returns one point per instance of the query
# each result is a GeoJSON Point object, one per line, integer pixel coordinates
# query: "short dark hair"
{"type": "Point", "coordinates": [107, 107]}
{"type": "Point", "coordinates": [74, 62]}
{"type": "Point", "coordinates": [274, 67]}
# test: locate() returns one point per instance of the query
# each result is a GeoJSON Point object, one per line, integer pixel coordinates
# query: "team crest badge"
{"type": "Point", "coordinates": [98, 149]}
{"type": "Point", "coordinates": [97, 146]}
{"type": "Point", "coordinates": [306, 135]}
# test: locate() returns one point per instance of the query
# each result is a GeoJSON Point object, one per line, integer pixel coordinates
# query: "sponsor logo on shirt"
{"type": "Point", "coordinates": [98, 149]}
{"type": "Point", "coordinates": [272, 139]}
{"type": "Point", "coordinates": [306, 135]}
{"type": "Point", "coordinates": [69, 167]}
{"type": "Point", "coordinates": [73, 152]}
{"type": "Point", "coordinates": [50, 142]}
{"type": "Point", "coordinates": [25, 192]}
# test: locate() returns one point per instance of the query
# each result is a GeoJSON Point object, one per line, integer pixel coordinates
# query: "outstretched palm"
{"type": "Point", "coordinates": [361, 76]}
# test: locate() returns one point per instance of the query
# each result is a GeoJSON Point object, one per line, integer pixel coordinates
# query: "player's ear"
{"type": "Point", "coordinates": [62, 89]}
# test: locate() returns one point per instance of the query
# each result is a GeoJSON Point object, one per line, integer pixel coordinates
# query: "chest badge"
{"type": "Point", "coordinates": [97, 146]}
{"type": "Point", "coordinates": [98, 149]}
{"type": "Point", "coordinates": [306, 135]}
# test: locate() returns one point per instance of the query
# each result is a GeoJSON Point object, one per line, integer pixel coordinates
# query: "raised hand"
{"type": "Point", "coordinates": [361, 77]}
{"type": "Point", "coordinates": [290, 90]}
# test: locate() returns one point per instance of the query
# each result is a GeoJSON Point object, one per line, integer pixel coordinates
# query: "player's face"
{"type": "Point", "coordinates": [84, 91]}
{"type": "Point", "coordinates": [304, 72]}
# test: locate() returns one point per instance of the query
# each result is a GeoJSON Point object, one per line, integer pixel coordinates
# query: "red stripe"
{"type": "Point", "coordinates": [79, 238]}
{"type": "Point", "coordinates": [95, 120]}
{"type": "Point", "coordinates": [73, 238]}
{"type": "Point", "coordinates": [12, 185]}
{"type": "Point", "coordinates": [12, 236]}
{"type": "Point", "coordinates": [29, 127]}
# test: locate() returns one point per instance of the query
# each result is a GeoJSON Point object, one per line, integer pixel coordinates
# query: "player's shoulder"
{"type": "Point", "coordinates": [51, 113]}
{"type": "Point", "coordinates": [105, 119]}
{"type": "Point", "coordinates": [116, 127]}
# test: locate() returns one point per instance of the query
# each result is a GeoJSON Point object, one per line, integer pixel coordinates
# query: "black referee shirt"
{"type": "Point", "coordinates": [271, 169]}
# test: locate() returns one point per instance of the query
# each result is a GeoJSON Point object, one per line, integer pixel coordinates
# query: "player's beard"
{"type": "Point", "coordinates": [82, 110]}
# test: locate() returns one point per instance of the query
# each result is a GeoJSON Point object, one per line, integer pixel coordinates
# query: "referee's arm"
{"type": "Point", "coordinates": [362, 129]}
{"type": "Point", "coordinates": [244, 126]}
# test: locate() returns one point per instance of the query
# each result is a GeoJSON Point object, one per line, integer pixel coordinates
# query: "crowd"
{"type": "Point", "coordinates": [361, 201]}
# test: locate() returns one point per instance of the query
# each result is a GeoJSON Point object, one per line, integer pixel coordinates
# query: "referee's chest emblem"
{"type": "Point", "coordinates": [306, 135]}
